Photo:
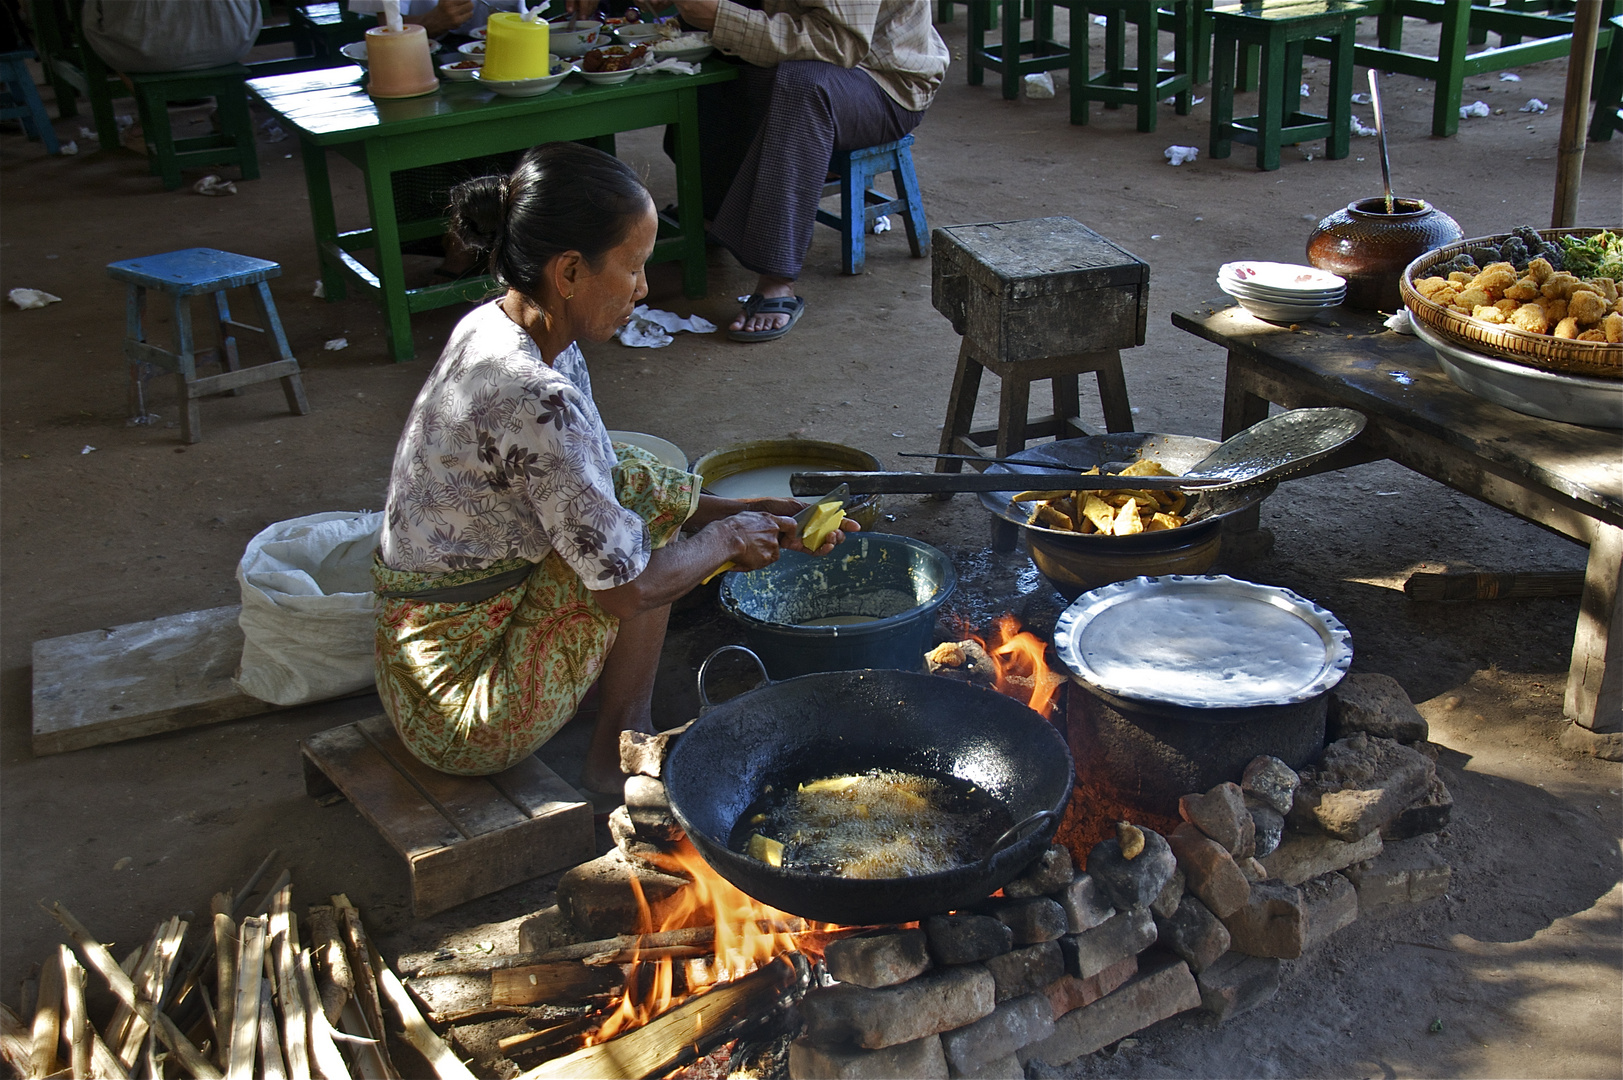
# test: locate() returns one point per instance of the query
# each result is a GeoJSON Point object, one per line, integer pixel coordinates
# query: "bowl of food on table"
{"type": "Point", "coordinates": [578, 41]}
{"type": "Point", "coordinates": [613, 64]}
{"type": "Point", "coordinates": [1531, 320]}
{"type": "Point", "coordinates": [559, 69]}
{"type": "Point", "coordinates": [475, 49]}
{"type": "Point", "coordinates": [689, 47]}
{"type": "Point", "coordinates": [355, 51]}
{"type": "Point", "coordinates": [462, 69]}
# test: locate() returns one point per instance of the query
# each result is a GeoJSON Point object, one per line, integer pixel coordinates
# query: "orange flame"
{"type": "Point", "coordinates": [748, 934]}
{"type": "Point", "coordinates": [1021, 658]}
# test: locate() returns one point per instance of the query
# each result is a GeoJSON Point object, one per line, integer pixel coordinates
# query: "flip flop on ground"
{"type": "Point", "coordinates": [792, 306]}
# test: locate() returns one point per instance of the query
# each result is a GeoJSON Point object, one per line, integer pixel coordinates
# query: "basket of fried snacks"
{"type": "Point", "coordinates": [1550, 299]}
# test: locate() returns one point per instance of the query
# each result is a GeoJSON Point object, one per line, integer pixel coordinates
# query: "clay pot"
{"type": "Point", "coordinates": [1370, 247]}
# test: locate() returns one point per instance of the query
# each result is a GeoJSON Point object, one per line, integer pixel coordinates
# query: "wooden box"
{"type": "Point", "coordinates": [462, 836]}
{"type": "Point", "coordinates": [1025, 290]}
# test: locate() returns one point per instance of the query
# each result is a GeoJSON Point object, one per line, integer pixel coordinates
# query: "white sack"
{"type": "Point", "coordinates": [307, 608]}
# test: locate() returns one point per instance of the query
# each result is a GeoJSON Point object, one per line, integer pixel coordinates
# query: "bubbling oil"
{"type": "Point", "coordinates": [878, 824]}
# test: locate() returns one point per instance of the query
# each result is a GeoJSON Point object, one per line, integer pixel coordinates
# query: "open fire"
{"type": "Point", "coordinates": [748, 935]}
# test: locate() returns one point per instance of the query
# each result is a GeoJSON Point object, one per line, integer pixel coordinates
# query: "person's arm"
{"type": "Point", "coordinates": [835, 31]}
{"type": "Point", "coordinates": [444, 17]}
{"type": "Point", "coordinates": [749, 540]}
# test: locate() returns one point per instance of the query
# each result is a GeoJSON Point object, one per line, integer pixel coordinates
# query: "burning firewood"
{"type": "Point", "coordinates": [687, 1031]}
{"type": "Point", "coordinates": [965, 660]}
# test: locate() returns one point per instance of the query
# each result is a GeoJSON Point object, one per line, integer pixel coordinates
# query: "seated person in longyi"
{"type": "Point", "coordinates": [524, 555]}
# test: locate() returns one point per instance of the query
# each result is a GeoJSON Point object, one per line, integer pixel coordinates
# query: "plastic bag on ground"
{"type": "Point", "coordinates": [1177, 155]}
{"type": "Point", "coordinates": [308, 622]}
{"type": "Point", "coordinates": [1039, 86]}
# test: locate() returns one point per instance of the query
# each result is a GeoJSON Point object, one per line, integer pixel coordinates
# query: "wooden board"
{"type": "Point", "coordinates": [144, 678]}
{"type": "Point", "coordinates": [461, 836]}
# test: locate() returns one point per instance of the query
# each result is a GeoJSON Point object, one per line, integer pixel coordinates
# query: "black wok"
{"type": "Point", "coordinates": [839, 722]}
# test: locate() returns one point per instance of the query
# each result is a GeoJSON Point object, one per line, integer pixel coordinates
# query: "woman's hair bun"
{"type": "Point", "coordinates": [479, 211]}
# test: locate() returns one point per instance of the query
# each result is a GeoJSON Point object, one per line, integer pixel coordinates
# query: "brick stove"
{"type": "Point", "coordinates": [1080, 952]}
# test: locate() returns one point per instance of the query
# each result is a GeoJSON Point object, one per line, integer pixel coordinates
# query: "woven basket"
{"type": "Point", "coordinates": [1595, 358]}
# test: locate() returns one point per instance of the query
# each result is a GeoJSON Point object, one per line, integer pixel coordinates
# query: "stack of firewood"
{"type": "Point", "coordinates": [244, 997]}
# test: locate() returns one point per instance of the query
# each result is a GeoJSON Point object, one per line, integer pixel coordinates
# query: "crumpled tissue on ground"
{"type": "Point", "coordinates": [881, 224]}
{"type": "Point", "coordinates": [213, 185]}
{"type": "Point", "coordinates": [1361, 99]}
{"type": "Point", "coordinates": [1039, 86]}
{"type": "Point", "coordinates": [1358, 128]}
{"type": "Point", "coordinates": [1509, 76]}
{"type": "Point", "coordinates": [1177, 155]}
{"type": "Point", "coordinates": [334, 344]}
{"type": "Point", "coordinates": [1534, 105]}
{"type": "Point", "coordinates": [1401, 322]}
{"type": "Point", "coordinates": [1476, 108]}
{"type": "Point", "coordinates": [651, 328]}
{"type": "Point", "coordinates": [32, 298]}
{"type": "Point", "coordinates": [1307, 91]}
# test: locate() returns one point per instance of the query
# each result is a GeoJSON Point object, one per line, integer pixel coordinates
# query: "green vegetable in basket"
{"type": "Point", "coordinates": [1595, 256]}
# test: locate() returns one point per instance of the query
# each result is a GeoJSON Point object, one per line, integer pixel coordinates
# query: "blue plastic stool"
{"type": "Point", "coordinates": [19, 100]}
{"type": "Point", "coordinates": [183, 275]}
{"type": "Point", "coordinates": [856, 171]}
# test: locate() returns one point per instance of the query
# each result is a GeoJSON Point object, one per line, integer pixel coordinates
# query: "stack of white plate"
{"type": "Point", "coordinates": [1281, 292]}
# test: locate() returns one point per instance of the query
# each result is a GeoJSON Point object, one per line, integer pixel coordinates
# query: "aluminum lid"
{"type": "Point", "coordinates": [1210, 642]}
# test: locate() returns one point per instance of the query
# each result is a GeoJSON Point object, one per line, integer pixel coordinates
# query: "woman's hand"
{"type": "Point", "coordinates": [835, 537]}
{"type": "Point", "coordinates": [759, 538]}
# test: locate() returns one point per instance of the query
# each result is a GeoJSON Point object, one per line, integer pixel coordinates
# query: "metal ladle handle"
{"type": "Point", "coordinates": [704, 699]}
{"type": "Point", "coordinates": [1010, 836]}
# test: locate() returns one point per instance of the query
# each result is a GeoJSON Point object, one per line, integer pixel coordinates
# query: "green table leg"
{"type": "Point", "coordinates": [1339, 145]}
{"type": "Point", "coordinates": [1010, 51]}
{"type": "Point", "coordinates": [318, 186]}
{"type": "Point", "coordinates": [386, 237]}
{"type": "Point", "coordinates": [690, 192]}
{"type": "Point", "coordinates": [1271, 102]}
{"type": "Point", "coordinates": [1224, 57]}
{"type": "Point", "coordinates": [1450, 82]}
{"type": "Point", "coordinates": [976, 41]}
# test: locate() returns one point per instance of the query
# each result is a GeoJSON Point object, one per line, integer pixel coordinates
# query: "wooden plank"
{"type": "Point", "coordinates": [144, 678]}
{"type": "Point", "coordinates": [462, 837]}
{"type": "Point", "coordinates": [470, 803]}
{"type": "Point", "coordinates": [552, 982]}
{"type": "Point", "coordinates": [534, 788]}
{"type": "Point", "coordinates": [383, 796]}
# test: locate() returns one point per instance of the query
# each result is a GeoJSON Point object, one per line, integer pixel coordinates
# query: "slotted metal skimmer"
{"type": "Point", "coordinates": [1278, 446]}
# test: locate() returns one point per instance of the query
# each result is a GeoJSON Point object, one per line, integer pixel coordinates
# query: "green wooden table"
{"type": "Point", "coordinates": [330, 111]}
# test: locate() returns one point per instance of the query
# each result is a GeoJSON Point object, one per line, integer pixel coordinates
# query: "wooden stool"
{"type": "Point", "coordinates": [320, 30]}
{"type": "Point", "coordinates": [861, 206]}
{"type": "Point", "coordinates": [1150, 85]}
{"type": "Point", "coordinates": [1283, 33]}
{"type": "Point", "coordinates": [233, 144]}
{"type": "Point", "coordinates": [1046, 298]}
{"type": "Point", "coordinates": [183, 275]}
{"type": "Point", "coordinates": [462, 837]}
{"type": "Point", "coordinates": [1008, 57]}
{"type": "Point", "coordinates": [19, 99]}
{"type": "Point", "coordinates": [1609, 89]}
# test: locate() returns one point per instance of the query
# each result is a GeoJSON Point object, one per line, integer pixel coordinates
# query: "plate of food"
{"type": "Point", "coordinates": [356, 50]}
{"type": "Point", "coordinates": [690, 47]}
{"type": "Point", "coordinates": [472, 48]}
{"type": "Point", "coordinates": [613, 64]}
{"type": "Point", "coordinates": [1547, 298]}
{"type": "Point", "coordinates": [461, 69]}
{"type": "Point", "coordinates": [527, 87]}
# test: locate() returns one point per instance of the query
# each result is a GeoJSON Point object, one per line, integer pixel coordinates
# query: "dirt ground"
{"type": "Point", "coordinates": [1518, 972]}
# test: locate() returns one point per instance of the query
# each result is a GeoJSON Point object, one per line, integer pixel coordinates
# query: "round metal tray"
{"type": "Point", "coordinates": [1571, 399]}
{"type": "Point", "coordinates": [1211, 642]}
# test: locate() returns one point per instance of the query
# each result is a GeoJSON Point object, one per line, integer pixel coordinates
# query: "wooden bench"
{"type": "Point", "coordinates": [461, 837]}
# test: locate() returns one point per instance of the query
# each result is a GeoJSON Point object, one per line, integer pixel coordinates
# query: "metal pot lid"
{"type": "Point", "coordinates": [1211, 642]}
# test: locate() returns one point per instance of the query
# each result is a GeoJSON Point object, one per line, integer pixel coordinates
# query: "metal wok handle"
{"type": "Point", "coordinates": [1011, 834]}
{"type": "Point", "coordinates": [704, 699]}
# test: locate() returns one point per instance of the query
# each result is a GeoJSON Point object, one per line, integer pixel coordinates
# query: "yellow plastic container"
{"type": "Point", "coordinates": [516, 48]}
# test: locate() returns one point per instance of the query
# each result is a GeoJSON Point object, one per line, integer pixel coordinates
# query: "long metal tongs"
{"type": "Point", "coordinates": [1274, 448]}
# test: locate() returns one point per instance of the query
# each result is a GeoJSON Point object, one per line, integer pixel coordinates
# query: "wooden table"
{"type": "Point", "coordinates": [1566, 478]}
{"type": "Point", "coordinates": [329, 110]}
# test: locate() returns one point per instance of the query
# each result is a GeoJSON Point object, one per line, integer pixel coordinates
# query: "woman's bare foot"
{"type": "Point", "coordinates": [768, 286]}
